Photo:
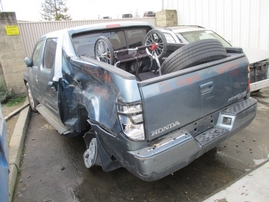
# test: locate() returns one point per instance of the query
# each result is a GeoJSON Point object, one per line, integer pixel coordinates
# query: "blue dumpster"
{"type": "Point", "coordinates": [3, 160]}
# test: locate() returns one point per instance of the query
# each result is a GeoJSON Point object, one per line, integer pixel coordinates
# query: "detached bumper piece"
{"type": "Point", "coordinates": [179, 148]}
{"type": "Point", "coordinates": [4, 189]}
{"type": "Point", "coordinates": [4, 177]}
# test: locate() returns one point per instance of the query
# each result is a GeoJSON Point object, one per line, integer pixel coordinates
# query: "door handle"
{"type": "Point", "coordinates": [52, 86]}
{"type": "Point", "coordinates": [206, 87]}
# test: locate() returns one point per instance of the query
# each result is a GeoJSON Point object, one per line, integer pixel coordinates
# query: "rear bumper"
{"type": "Point", "coordinates": [177, 149]}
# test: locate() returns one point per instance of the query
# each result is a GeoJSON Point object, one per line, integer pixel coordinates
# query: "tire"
{"type": "Point", "coordinates": [32, 100]}
{"type": "Point", "coordinates": [91, 154]}
{"type": "Point", "coordinates": [193, 54]}
{"type": "Point", "coordinates": [103, 50]}
{"type": "Point", "coordinates": [156, 36]}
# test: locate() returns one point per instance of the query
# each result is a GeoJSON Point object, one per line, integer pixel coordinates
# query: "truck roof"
{"type": "Point", "coordinates": [183, 28]}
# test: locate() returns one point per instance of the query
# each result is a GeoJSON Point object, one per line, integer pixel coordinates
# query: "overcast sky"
{"type": "Point", "coordinates": [82, 9]}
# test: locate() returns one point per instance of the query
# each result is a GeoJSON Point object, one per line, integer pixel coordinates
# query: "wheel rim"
{"type": "Point", "coordinates": [102, 52]}
{"type": "Point", "coordinates": [90, 154]}
{"type": "Point", "coordinates": [30, 96]}
{"type": "Point", "coordinates": [154, 38]}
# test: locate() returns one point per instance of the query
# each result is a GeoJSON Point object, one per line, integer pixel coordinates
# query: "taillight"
{"type": "Point", "coordinates": [131, 119]}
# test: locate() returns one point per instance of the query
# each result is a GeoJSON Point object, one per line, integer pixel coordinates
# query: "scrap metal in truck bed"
{"type": "Point", "coordinates": [138, 102]}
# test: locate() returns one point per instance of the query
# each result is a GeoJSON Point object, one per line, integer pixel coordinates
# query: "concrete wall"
{"type": "Point", "coordinates": [11, 54]}
{"type": "Point", "coordinates": [166, 18]}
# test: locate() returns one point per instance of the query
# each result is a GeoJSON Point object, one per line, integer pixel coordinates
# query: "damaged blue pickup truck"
{"type": "Point", "coordinates": [138, 101]}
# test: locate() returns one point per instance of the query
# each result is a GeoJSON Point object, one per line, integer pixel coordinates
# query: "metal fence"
{"type": "Point", "coordinates": [244, 23]}
{"type": "Point", "coordinates": [31, 31]}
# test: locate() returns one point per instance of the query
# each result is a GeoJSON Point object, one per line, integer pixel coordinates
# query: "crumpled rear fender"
{"type": "Point", "coordinates": [96, 87]}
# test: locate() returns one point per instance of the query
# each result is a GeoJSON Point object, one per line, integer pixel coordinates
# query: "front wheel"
{"type": "Point", "coordinates": [32, 101]}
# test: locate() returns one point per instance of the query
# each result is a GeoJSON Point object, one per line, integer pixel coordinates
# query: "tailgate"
{"type": "Point", "coordinates": [185, 96]}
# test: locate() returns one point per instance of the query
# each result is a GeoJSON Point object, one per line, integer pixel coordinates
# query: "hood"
{"type": "Point", "coordinates": [255, 55]}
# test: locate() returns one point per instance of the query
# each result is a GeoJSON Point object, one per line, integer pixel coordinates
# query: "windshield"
{"type": "Point", "coordinates": [204, 34]}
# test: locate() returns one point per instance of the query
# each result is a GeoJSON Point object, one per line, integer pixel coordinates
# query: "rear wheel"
{"type": "Point", "coordinates": [32, 101]}
{"type": "Point", "coordinates": [103, 50]}
{"type": "Point", "coordinates": [90, 155]}
{"type": "Point", "coordinates": [193, 54]}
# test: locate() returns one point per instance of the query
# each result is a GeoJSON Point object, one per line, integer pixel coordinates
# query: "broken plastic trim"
{"type": "Point", "coordinates": [248, 84]}
{"type": "Point", "coordinates": [131, 119]}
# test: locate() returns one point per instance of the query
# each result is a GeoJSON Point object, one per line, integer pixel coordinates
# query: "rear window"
{"type": "Point", "coordinates": [135, 37]}
{"type": "Point", "coordinates": [120, 39]}
{"type": "Point", "coordinates": [84, 44]}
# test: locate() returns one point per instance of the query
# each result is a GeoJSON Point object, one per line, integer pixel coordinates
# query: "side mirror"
{"type": "Point", "coordinates": [28, 62]}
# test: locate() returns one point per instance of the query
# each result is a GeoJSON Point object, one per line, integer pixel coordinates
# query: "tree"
{"type": "Point", "coordinates": [54, 10]}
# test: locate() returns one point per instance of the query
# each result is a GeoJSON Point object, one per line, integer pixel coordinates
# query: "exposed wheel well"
{"type": "Point", "coordinates": [83, 119]}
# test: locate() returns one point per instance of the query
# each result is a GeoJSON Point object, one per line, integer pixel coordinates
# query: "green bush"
{"type": "Point", "coordinates": [3, 90]}
{"type": "Point", "coordinates": [15, 100]}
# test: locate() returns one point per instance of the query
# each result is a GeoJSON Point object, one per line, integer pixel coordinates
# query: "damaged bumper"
{"type": "Point", "coordinates": [177, 149]}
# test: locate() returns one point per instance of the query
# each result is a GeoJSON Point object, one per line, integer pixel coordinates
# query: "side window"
{"type": "Point", "coordinates": [49, 53]}
{"type": "Point", "coordinates": [169, 38]}
{"type": "Point", "coordinates": [37, 53]}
